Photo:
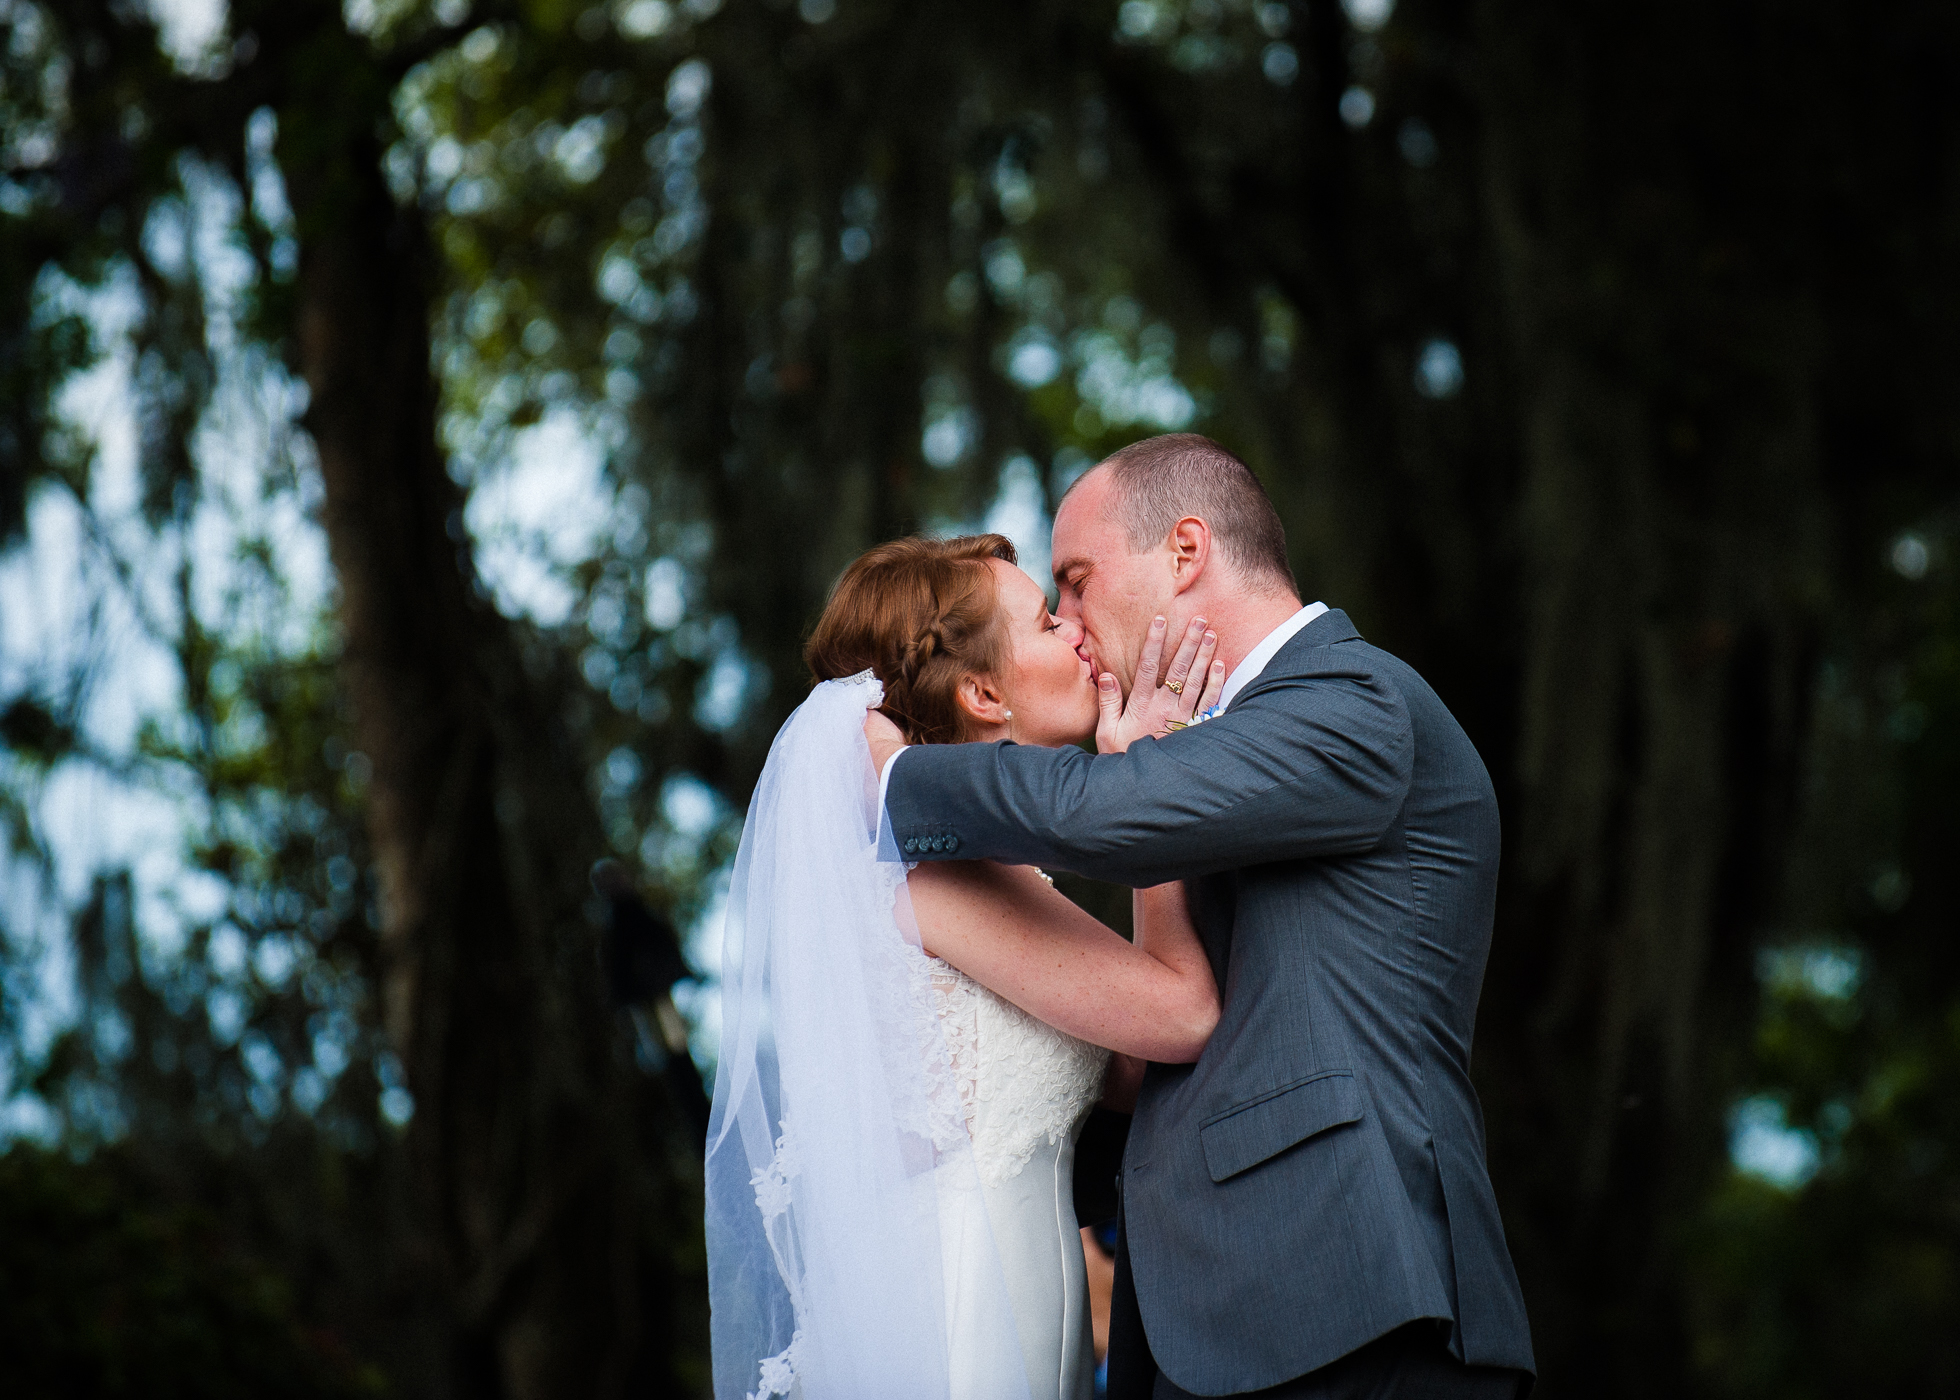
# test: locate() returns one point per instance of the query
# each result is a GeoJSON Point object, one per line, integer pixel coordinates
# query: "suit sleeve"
{"type": "Point", "coordinates": [1311, 765]}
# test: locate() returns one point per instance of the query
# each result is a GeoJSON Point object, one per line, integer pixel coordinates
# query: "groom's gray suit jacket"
{"type": "Point", "coordinates": [1317, 1178]}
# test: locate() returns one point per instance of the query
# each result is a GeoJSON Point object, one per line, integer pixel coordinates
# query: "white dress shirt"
{"type": "Point", "coordinates": [1247, 671]}
{"type": "Point", "coordinates": [1243, 675]}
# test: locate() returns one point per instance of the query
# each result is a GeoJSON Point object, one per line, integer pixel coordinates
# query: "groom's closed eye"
{"type": "Point", "coordinates": [1070, 575]}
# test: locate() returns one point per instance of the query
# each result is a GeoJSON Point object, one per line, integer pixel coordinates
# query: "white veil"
{"type": "Point", "coordinates": [837, 1127]}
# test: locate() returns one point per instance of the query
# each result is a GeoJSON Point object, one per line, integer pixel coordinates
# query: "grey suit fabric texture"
{"type": "Point", "coordinates": [1317, 1178]}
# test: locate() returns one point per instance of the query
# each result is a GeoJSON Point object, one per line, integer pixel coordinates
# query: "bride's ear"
{"type": "Point", "coordinates": [980, 700]}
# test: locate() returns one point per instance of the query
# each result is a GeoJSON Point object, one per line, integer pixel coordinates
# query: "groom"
{"type": "Point", "coordinates": [1305, 1210]}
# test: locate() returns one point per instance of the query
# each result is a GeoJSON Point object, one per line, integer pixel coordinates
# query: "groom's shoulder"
{"type": "Point", "coordinates": [1320, 664]}
{"type": "Point", "coordinates": [1331, 648]}
{"type": "Point", "coordinates": [1329, 645]}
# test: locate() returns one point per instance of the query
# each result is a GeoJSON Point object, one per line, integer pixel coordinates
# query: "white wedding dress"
{"type": "Point", "coordinates": [1025, 1089]}
{"type": "Point", "coordinates": [890, 1158]}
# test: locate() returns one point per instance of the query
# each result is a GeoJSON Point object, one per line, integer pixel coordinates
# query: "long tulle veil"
{"type": "Point", "coordinates": [836, 1125]}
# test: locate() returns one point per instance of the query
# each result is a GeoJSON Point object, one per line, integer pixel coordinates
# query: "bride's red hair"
{"type": "Point", "coordinates": [921, 615]}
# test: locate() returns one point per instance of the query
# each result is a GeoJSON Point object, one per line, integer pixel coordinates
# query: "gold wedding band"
{"type": "Point", "coordinates": [1174, 687]}
{"type": "Point", "coordinates": [1171, 724]}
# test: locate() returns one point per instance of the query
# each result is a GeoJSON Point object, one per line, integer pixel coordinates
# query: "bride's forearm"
{"type": "Point", "coordinates": [1162, 924]}
{"type": "Point", "coordinates": [1164, 931]}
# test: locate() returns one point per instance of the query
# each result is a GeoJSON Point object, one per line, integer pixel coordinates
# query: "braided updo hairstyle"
{"type": "Point", "coordinates": [921, 615]}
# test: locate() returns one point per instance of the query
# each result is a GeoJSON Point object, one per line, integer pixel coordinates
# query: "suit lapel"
{"type": "Point", "coordinates": [1330, 627]}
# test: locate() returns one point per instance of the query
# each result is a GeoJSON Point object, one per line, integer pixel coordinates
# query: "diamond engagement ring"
{"type": "Point", "coordinates": [1174, 687]}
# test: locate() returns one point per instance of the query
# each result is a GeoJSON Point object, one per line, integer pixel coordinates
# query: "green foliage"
{"type": "Point", "coordinates": [114, 1289]}
{"type": "Point", "coordinates": [1847, 1274]}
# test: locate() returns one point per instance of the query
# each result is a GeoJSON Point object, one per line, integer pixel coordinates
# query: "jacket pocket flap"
{"type": "Point", "coordinates": [1247, 1135]}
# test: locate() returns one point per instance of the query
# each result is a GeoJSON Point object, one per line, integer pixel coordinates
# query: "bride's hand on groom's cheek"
{"type": "Point", "coordinates": [1162, 704]}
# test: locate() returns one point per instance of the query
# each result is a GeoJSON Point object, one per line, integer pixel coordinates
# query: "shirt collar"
{"type": "Point", "coordinates": [1247, 671]}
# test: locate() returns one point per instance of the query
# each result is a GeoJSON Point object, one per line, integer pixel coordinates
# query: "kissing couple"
{"type": "Point", "coordinates": [916, 1023]}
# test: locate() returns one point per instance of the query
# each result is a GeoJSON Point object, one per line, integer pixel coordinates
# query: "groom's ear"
{"type": "Point", "coordinates": [1189, 543]}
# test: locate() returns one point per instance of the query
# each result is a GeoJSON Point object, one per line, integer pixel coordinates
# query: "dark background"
{"type": "Point", "coordinates": [1604, 362]}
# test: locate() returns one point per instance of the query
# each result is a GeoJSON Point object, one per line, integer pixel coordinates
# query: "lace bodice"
{"type": "Point", "coordinates": [1021, 1082]}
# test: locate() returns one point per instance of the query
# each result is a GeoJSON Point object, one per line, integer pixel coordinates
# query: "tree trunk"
{"type": "Point", "coordinates": [521, 1142]}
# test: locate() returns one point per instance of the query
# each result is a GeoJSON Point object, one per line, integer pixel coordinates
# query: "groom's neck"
{"type": "Point", "coordinates": [1241, 620]}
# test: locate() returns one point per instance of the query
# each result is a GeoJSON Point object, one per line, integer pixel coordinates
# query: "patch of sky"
{"type": "Point", "coordinates": [309, 1089]}
{"type": "Point", "coordinates": [726, 691]}
{"type": "Point", "coordinates": [1020, 512]}
{"type": "Point", "coordinates": [1033, 358]}
{"type": "Point", "coordinates": [226, 1011]}
{"type": "Point", "coordinates": [262, 1061]}
{"type": "Point", "coordinates": [1069, 463]}
{"type": "Point", "coordinates": [1762, 1144]}
{"type": "Point", "coordinates": [275, 960]}
{"type": "Point", "coordinates": [1823, 973]}
{"type": "Point", "coordinates": [1368, 15]}
{"type": "Point", "coordinates": [397, 1104]}
{"type": "Point", "coordinates": [1005, 269]}
{"type": "Point", "coordinates": [1143, 19]}
{"type": "Point", "coordinates": [1126, 389]}
{"type": "Point", "coordinates": [951, 428]}
{"type": "Point", "coordinates": [1910, 556]}
{"type": "Point", "coordinates": [1014, 190]}
{"type": "Point", "coordinates": [689, 806]}
{"type": "Point", "coordinates": [538, 514]}
{"type": "Point", "coordinates": [270, 205]}
{"type": "Point", "coordinates": [89, 607]}
{"type": "Point", "coordinates": [687, 89]}
{"type": "Point", "coordinates": [331, 1040]}
{"type": "Point", "coordinates": [1439, 369]}
{"type": "Point", "coordinates": [643, 19]}
{"type": "Point", "coordinates": [622, 771]}
{"type": "Point", "coordinates": [666, 593]}
{"type": "Point", "coordinates": [24, 1117]}
{"type": "Point", "coordinates": [703, 944]}
{"type": "Point", "coordinates": [189, 30]}
{"type": "Point", "coordinates": [581, 150]}
{"type": "Point", "coordinates": [480, 46]}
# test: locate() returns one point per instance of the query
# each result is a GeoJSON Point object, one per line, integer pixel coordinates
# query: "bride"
{"type": "Point", "coordinates": [907, 1054]}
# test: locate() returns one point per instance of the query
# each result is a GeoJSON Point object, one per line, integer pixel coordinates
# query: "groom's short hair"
{"type": "Point", "coordinates": [1162, 479]}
